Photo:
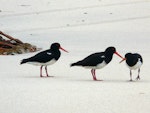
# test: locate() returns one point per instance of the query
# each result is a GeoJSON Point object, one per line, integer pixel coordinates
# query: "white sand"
{"type": "Point", "coordinates": [82, 28]}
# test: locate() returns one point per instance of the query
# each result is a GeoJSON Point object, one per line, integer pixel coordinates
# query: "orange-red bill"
{"type": "Point", "coordinates": [119, 55]}
{"type": "Point", "coordinates": [63, 49]}
{"type": "Point", "coordinates": [122, 60]}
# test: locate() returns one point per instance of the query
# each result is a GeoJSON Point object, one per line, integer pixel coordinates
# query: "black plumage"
{"type": "Point", "coordinates": [45, 58]}
{"type": "Point", "coordinates": [134, 61]}
{"type": "Point", "coordinates": [97, 60]}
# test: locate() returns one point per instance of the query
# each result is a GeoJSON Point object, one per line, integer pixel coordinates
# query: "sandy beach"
{"type": "Point", "coordinates": [81, 27]}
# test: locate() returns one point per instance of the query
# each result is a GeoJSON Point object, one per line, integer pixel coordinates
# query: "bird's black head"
{"type": "Point", "coordinates": [128, 55]}
{"type": "Point", "coordinates": [56, 46]}
{"type": "Point", "coordinates": [110, 50]}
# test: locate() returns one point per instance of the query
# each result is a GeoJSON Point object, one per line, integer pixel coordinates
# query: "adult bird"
{"type": "Point", "coordinates": [97, 60]}
{"type": "Point", "coordinates": [134, 61]}
{"type": "Point", "coordinates": [45, 58]}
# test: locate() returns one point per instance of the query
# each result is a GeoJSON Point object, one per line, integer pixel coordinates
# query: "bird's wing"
{"type": "Point", "coordinates": [139, 57]}
{"type": "Point", "coordinates": [42, 57]}
{"type": "Point", "coordinates": [93, 59]}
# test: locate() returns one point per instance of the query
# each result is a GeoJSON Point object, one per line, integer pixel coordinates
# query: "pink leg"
{"type": "Point", "coordinates": [93, 74]}
{"type": "Point", "coordinates": [41, 71]}
{"type": "Point", "coordinates": [46, 71]}
{"type": "Point", "coordinates": [138, 77]}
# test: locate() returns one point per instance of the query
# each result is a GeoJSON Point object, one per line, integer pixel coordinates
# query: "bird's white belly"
{"type": "Point", "coordinates": [43, 64]}
{"type": "Point", "coordinates": [99, 66]}
{"type": "Point", "coordinates": [136, 66]}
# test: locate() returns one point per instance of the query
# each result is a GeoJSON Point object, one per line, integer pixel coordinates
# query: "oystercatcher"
{"type": "Point", "coordinates": [45, 58]}
{"type": "Point", "coordinates": [133, 61]}
{"type": "Point", "coordinates": [97, 60]}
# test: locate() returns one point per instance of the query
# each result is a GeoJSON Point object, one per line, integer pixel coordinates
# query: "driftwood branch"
{"type": "Point", "coordinates": [11, 38]}
{"type": "Point", "coordinates": [4, 44]}
{"type": "Point", "coordinates": [14, 46]}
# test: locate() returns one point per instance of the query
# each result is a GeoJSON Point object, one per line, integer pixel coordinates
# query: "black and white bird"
{"type": "Point", "coordinates": [134, 61]}
{"type": "Point", "coordinates": [45, 58]}
{"type": "Point", "coordinates": [97, 60]}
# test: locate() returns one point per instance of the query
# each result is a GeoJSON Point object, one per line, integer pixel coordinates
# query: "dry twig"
{"type": "Point", "coordinates": [12, 45]}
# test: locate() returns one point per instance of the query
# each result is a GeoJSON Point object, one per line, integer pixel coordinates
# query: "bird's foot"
{"type": "Point", "coordinates": [138, 78]}
{"type": "Point", "coordinates": [98, 80]}
{"type": "Point", "coordinates": [46, 76]}
{"type": "Point", "coordinates": [49, 76]}
{"type": "Point", "coordinates": [95, 79]}
{"type": "Point", "coordinates": [131, 80]}
{"type": "Point", "coordinates": [43, 76]}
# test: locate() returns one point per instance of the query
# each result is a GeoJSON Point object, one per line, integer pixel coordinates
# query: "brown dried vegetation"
{"type": "Point", "coordinates": [11, 46]}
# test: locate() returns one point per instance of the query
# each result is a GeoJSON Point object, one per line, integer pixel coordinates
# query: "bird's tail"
{"type": "Point", "coordinates": [24, 61]}
{"type": "Point", "coordinates": [76, 64]}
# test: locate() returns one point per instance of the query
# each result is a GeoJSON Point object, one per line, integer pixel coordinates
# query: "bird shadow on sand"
{"type": "Point", "coordinates": [84, 80]}
{"type": "Point", "coordinates": [38, 77]}
{"type": "Point", "coordinates": [112, 81]}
